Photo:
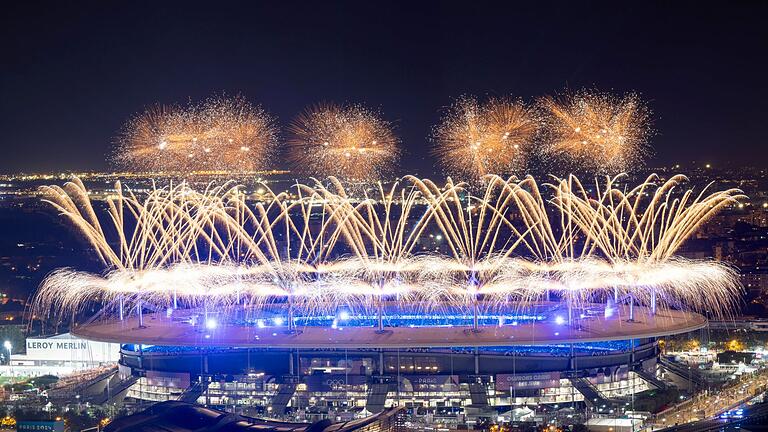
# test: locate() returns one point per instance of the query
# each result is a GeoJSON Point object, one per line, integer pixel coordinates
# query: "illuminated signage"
{"type": "Point", "coordinates": [506, 382]}
{"type": "Point", "coordinates": [40, 426]}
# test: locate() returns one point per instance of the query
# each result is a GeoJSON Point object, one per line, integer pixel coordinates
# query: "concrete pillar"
{"type": "Point", "coordinates": [139, 308]}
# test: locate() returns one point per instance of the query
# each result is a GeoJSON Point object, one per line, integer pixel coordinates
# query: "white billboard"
{"type": "Point", "coordinates": [68, 348]}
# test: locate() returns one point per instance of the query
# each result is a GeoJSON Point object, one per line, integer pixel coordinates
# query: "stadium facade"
{"type": "Point", "coordinates": [443, 372]}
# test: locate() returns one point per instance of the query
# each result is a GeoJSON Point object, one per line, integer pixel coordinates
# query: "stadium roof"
{"type": "Point", "coordinates": [160, 330]}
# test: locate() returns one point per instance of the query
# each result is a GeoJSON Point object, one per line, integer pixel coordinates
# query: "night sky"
{"type": "Point", "coordinates": [72, 72]}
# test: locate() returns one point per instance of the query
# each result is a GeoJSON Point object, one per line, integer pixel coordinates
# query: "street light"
{"type": "Point", "coordinates": [7, 344]}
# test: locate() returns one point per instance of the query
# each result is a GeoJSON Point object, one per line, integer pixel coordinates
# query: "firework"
{"type": "Point", "coordinates": [220, 134]}
{"type": "Point", "coordinates": [348, 142]}
{"type": "Point", "coordinates": [597, 132]}
{"type": "Point", "coordinates": [495, 137]}
{"type": "Point", "coordinates": [319, 251]}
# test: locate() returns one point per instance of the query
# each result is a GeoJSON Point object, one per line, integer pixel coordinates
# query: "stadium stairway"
{"type": "Point", "coordinates": [592, 395]}
{"type": "Point", "coordinates": [650, 378]}
{"type": "Point", "coordinates": [283, 397]}
{"type": "Point", "coordinates": [114, 393]}
{"type": "Point", "coordinates": [377, 396]}
{"type": "Point", "coordinates": [193, 393]}
{"type": "Point", "coordinates": [478, 395]}
{"type": "Point", "coordinates": [86, 388]}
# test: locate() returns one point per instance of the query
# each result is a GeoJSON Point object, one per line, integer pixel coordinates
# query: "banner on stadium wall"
{"type": "Point", "coordinates": [332, 382]}
{"type": "Point", "coordinates": [178, 380]}
{"type": "Point", "coordinates": [505, 382]}
{"type": "Point", "coordinates": [427, 383]}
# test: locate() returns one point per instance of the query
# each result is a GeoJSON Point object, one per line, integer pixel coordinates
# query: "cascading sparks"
{"type": "Point", "coordinates": [316, 247]}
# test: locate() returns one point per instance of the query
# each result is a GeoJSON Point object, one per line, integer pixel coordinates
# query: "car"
{"type": "Point", "coordinates": [733, 414]}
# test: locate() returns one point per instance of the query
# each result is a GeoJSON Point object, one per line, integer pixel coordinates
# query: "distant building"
{"type": "Point", "coordinates": [749, 324]}
{"type": "Point", "coordinates": [735, 357]}
{"type": "Point", "coordinates": [754, 279]}
{"type": "Point", "coordinates": [61, 355]}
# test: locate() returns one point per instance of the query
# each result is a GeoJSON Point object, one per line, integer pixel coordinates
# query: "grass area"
{"type": "Point", "coordinates": [10, 380]}
{"type": "Point", "coordinates": [19, 384]}
{"type": "Point", "coordinates": [655, 400]}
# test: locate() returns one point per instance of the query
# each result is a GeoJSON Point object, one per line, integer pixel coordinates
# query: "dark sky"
{"type": "Point", "coordinates": [73, 72]}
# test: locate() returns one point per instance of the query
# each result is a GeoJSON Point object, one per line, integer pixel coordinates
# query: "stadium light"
{"type": "Point", "coordinates": [210, 323]}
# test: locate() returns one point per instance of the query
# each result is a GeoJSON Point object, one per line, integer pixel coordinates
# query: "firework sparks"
{"type": "Point", "coordinates": [596, 131]}
{"type": "Point", "coordinates": [220, 134]}
{"type": "Point", "coordinates": [495, 137]}
{"type": "Point", "coordinates": [348, 142]}
{"type": "Point", "coordinates": [507, 247]}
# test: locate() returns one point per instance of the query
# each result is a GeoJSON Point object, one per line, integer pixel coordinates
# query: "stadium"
{"type": "Point", "coordinates": [443, 368]}
{"type": "Point", "coordinates": [460, 305]}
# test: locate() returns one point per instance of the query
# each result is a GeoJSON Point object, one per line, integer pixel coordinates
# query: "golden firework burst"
{"type": "Point", "coordinates": [220, 134]}
{"type": "Point", "coordinates": [349, 142]}
{"type": "Point", "coordinates": [596, 131]}
{"type": "Point", "coordinates": [474, 139]}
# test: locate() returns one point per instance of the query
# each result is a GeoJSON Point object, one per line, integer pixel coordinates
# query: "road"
{"type": "Point", "coordinates": [755, 415]}
{"type": "Point", "coordinates": [713, 404]}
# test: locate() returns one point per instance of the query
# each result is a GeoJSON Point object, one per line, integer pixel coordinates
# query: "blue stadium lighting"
{"type": "Point", "coordinates": [260, 324]}
{"type": "Point", "coordinates": [278, 321]}
{"type": "Point", "coordinates": [559, 320]}
{"type": "Point", "coordinates": [344, 315]}
{"type": "Point", "coordinates": [211, 323]}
